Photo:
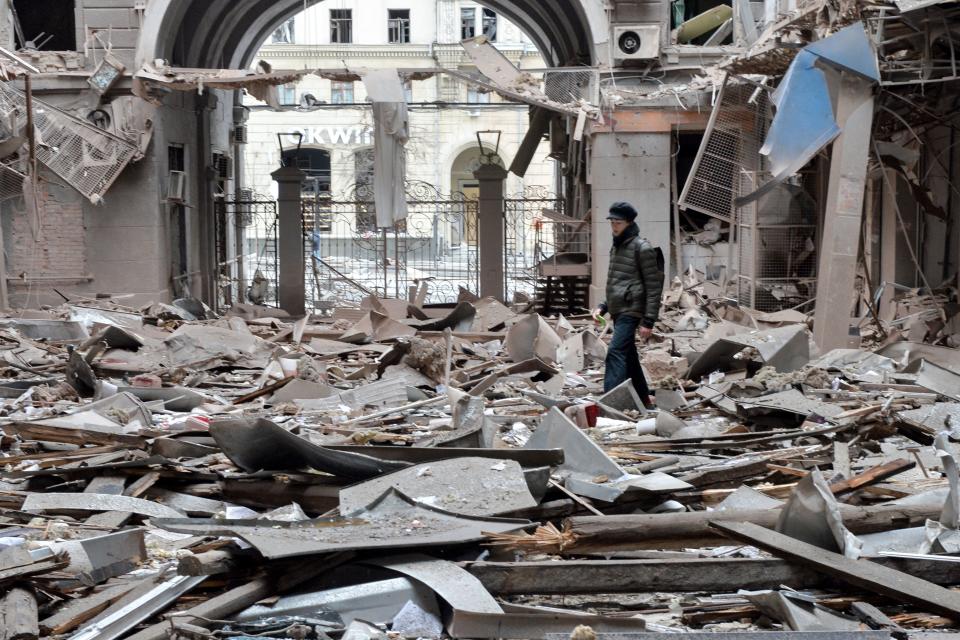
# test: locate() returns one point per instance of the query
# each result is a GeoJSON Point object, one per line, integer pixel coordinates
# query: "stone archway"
{"type": "Point", "coordinates": [227, 33]}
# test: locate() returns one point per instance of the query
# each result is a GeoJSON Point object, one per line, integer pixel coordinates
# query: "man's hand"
{"type": "Point", "coordinates": [596, 314]}
{"type": "Point", "coordinates": [645, 333]}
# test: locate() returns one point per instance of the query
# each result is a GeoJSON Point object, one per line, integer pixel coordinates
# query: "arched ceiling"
{"type": "Point", "coordinates": [228, 33]}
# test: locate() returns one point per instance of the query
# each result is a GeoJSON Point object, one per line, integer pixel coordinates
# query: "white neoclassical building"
{"type": "Point", "coordinates": [334, 117]}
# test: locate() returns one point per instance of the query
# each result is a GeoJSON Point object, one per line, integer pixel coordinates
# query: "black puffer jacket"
{"type": "Point", "coordinates": [635, 279]}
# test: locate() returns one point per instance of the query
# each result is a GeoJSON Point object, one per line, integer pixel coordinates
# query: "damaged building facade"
{"type": "Point", "coordinates": [394, 443]}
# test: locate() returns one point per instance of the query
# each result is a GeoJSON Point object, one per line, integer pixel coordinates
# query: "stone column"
{"type": "Point", "coordinates": [839, 245]}
{"type": "Point", "coordinates": [490, 229]}
{"type": "Point", "coordinates": [292, 277]}
{"type": "Point", "coordinates": [635, 168]}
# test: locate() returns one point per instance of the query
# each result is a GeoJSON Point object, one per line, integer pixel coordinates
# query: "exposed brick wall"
{"type": "Point", "coordinates": [58, 251]}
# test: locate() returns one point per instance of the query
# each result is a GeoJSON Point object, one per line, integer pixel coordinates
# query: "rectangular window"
{"type": "Point", "coordinates": [408, 91]}
{"type": "Point", "coordinates": [398, 26]}
{"type": "Point", "coordinates": [341, 26]}
{"type": "Point", "coordinates": [284, 34]}
{"type": "Point", "coordinates": [468, 22]}
{"type": "Point", "coordinates": [341, 92]}
{"type": "Point", "coordinates": [475, 95]}
{"type": "Point", "coordinates": [490, 24]}
{"type": "Point", "coordinates": [46, 25]}
{"type": "Point", "coordinates": [288, 95]}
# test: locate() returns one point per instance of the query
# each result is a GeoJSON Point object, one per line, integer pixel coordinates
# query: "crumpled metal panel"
{"type": "Point", "coordinates": [393, 521]}
{"type": "Point", "coordinates": [784, 348]}
{"type": "Point", "coordinates": [376, 602]}
{"type": "Point", "coordinates": [813, 516]}
{"type": "Point", "coordinates": [790, 401]}
{"type": "Point", "coordinates": [471, 486]}
{"type": "Point", "coordinates": [800, 613]}
{"type": "Point", "coordinates": [950, 516]}
{"type": "Point", "coordinates": [849, 49]}
{"type": "Point", "coordinates": [460, 588]}
{"type": "Point", "coordinates": [804, 121]}
{"type": "Point", "coordinates": [259, 444]}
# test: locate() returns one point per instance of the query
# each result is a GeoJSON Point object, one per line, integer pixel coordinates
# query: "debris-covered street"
{"type": "Point", "coordinates": [523, 319]}
{"type": "Point", "coordinates": [168, 473]}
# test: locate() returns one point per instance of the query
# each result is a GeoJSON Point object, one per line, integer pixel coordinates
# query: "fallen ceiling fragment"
{"type": "Point", "coordinates": [393, 521]}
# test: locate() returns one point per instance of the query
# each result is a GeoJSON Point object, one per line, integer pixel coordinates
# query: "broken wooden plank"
{"type": "Point", "coordinates": [669, 531]}
{"type": "Point", "coordinates": [860, 573]}
{"type": "Point", "coordinates": [18, 610]}
{"type": "Point", "coordinates": [573, 577]}
{"type": "Point", "coordinates": [208, 563]}
{"type": "Point", "coordinates": [60, 502]}
{"type": "Point", "coordinates": [71, 435]}
{"type": "Point", "coordinates": [75, 612]}
{"type": "Point", "coordinates": [872, 476]}
{"type": "Point", "coordinates": [142, 484]}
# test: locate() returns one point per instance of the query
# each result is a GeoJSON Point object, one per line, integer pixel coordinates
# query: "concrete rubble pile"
{"type": "Point", "coordinates": [413, 471]}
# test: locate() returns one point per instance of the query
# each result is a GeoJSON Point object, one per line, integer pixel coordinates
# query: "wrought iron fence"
{"type": "Point", "coordinates": [526, 244]}
{"type": "Point", "coordinates": [249, 226]}
{"type": "Point", "coordinates": [349, 258]}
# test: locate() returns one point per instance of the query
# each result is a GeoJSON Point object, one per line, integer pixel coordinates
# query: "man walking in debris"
{"type": "Point", "coordinates": [634, 287]}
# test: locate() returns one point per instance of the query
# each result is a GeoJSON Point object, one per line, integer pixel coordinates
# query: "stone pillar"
{"type": "Point", "coordinates": [635, 168]}
{"type": "Point", "coordinates": [292, 276]}
{"type": "Point", "coordinates": [840, 240]}
{"type": "Point", "coordinates": [490, 229]}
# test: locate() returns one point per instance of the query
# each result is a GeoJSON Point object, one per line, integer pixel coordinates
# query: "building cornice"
{"type": "Point", "coordinates": [341, 51]}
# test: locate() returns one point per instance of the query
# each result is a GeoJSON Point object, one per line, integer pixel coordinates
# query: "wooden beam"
{"type": "Point", "coordinates": [679, 530]}
{"type": "Point", "coordinates": [572, 577]}
{"type": "Point", "coordinates": [865, 574]}
{"type": "Point", "coordinates": [18, 610]}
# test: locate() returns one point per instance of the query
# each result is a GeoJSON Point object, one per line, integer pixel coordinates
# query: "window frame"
{"type": "Point", "coordinates": [339, 90]}
{"type": "Point", "coordinates": [398, 28]}
{"type": "Point", "coordinates": [486, 15]}
{"type": "Point", "coordinates": [285, 91]}
{"type": "Point", "coordinates": [464, 11]}
{"type": "Point", "coordinates": [341, 27]}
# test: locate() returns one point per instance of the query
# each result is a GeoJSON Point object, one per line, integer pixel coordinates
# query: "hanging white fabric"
{"type": "Point", "coordinates": [391, 132]}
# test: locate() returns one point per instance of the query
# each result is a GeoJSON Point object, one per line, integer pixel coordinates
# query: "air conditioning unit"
{"type": "Point", "coordinates": [176, 186]}
{"type": "Point", "coordinates": [636, 41]}
{"type": "Point", "coordinates": [240, 134]}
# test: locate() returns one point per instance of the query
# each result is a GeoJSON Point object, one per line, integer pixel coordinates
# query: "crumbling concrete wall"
{"type": "Point", "coordinates": [53, 255]}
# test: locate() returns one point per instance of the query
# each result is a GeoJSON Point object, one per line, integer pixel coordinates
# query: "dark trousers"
{"type": "Point", "coordinates": [623, 362]}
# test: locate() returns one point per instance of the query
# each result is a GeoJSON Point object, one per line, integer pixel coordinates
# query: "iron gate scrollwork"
{"type": "Point", "coordinates": [348, 257]}
{"type": "Point", "coordinates": [247, 230]}
{"type": "Point", "coordinates": [527, 245]}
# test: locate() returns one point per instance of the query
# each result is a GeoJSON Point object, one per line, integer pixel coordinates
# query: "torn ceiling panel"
{"type": "Point", "coordinates": [393, 521]}
{"type": "Point", "coordinates": [510, 82]}
{"type": "Point", "coordinates": [151, 80]}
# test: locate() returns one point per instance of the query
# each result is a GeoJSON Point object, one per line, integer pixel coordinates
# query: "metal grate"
{"type": "Point", "coordinates": [571, 85]}
{"type": "Point", "coordinates": [86, 157]}
{"type": "Point", "coordinates": [11, 182]}
{"type": "Point", "coordinates": [778, 239]}
{"type": "Point", "coordinates": [731, 145]}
